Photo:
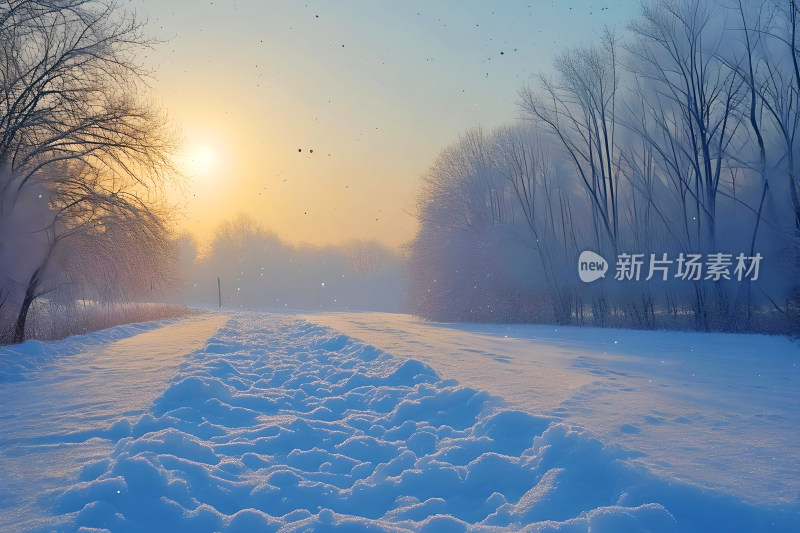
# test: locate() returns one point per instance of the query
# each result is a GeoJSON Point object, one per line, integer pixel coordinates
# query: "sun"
{"type": "Point", "coordinates": [199, 161]}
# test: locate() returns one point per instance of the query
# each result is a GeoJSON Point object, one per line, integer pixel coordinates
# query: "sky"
{"type": "Point", "coordinates": [318, 119]}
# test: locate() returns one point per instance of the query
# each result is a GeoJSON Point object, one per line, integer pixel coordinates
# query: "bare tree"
{"type": "Point", "coordinates": [523, 158]}
{"type": "Point", "coordinates": [771, 71]}
{"type": "Point", "coordinates": [579, 109]}
{"type": "Point", "coordinates": [73, 126]}
{"type": "Point", "coordinates": [780, 83]}
{"type": "Point", "coordinates": [690, 104]}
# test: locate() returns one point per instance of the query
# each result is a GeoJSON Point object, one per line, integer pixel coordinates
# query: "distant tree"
{"type": "Point", "coordinates": [366, 257]}
{"type": "Point", "coordinates": [258, 269]}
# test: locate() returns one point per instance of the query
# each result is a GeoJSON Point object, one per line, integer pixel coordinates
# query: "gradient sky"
{"type": "Point", "coordinates": [375, 89]}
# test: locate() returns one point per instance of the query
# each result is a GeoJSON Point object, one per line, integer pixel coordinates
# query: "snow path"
{"type": "Point", "coordinates": [720, 411]}
{"type": "Point", "coordinates": [59, 414]}
{"type": "Point", "coordinates": [278, 424]}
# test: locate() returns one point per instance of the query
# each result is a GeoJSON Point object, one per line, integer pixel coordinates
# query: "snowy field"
{"type": "Point", "coordinates": [716, 410]}
{"type": "Point", "coordinates": [254, 421]}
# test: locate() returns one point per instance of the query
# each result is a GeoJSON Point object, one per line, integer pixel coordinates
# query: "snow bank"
{"type": "Point", "coordinates": [19, 360]}
{"type": "Point", "coordinates": [282, 425]}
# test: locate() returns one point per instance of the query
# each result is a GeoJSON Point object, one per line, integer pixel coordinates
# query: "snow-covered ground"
{"type": "Point", "coordinates": [718, 410]}
{"type": "Point", "coordinates": [256, 421]}
{"type": "Point", "coordinates": [64, 403]}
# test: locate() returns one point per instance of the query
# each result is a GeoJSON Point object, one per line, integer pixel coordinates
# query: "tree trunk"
{"type": "Point", "coordinates": [19, 332]}
{"type": "Point", "coordinates": [22, 317]}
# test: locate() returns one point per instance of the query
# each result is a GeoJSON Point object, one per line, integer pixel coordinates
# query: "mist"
{"type": "Point", "coordinates": [257, 269]}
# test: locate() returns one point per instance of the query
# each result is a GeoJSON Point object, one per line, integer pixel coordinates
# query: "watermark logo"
{"type": "Point", "coordinates": [591, 266]}
{"type": "Point", "coordinates": [684, 267]}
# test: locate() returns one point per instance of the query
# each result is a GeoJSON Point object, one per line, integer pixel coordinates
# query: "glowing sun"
{"type": "Point", "coordinates": [199, 161]}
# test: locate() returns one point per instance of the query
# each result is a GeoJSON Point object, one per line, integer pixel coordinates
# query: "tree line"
{"type": "Point", "coordinates": [670, 140]}
{"type": "Point", "coordinates": [257, 268]}
{"type": "Point", "coordinates": [84, 156]}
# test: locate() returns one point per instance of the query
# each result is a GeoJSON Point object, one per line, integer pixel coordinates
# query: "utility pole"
{"type": "Point", "coordinates": [219, 291]}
